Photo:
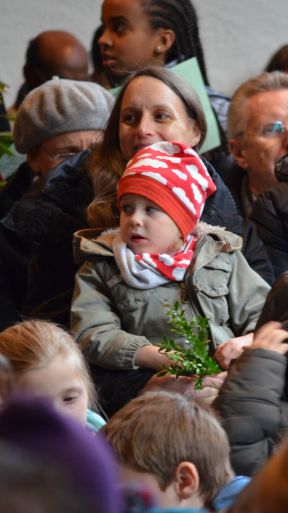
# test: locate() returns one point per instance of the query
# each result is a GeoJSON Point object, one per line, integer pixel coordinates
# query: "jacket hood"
{"type": "Point", "coordinates": [91, 242]}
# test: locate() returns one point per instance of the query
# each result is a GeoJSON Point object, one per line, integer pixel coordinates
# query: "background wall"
{"type": "Point", "coordinates": [238, 36]}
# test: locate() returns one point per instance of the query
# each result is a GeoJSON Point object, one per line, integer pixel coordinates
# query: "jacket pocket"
{"type": "Point", "coordinates": [127, 298]}
{"type": "Point", "coordinates": [211, 284]}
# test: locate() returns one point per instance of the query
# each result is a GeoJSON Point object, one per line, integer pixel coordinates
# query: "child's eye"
{"type": "Point", "coordinates": [127, 209]}
{"type": "Point", "coordinates": [70, 398]}
{"type": "Point", "coordinates": [151, 209]}
{"type": "Point", "coordinates": [120, 28]}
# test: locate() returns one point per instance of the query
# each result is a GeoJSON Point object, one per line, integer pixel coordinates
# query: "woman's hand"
{"type": "Point", "coordinates": [271, 336]}
{"type": "Point", "coordinates": [232, 349]}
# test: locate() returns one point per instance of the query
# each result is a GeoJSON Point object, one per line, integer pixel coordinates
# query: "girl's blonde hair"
{"type": "Point", "coordinates": [35, 343]}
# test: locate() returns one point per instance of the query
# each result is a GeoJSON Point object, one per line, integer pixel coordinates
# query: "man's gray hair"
{"type": "Point", "coordinates": [238, 113]}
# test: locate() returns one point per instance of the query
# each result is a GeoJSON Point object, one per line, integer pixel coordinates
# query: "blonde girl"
{"type": "Point", "coordinates": [46, 361]}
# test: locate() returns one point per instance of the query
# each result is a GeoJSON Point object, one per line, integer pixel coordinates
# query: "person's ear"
{"type": "Point", "coordinates": [165, 41]}
{"type": "Point", "coordinates": [187, 480]}
{"type": "Point", "coordinates": [34, 160]}
{"type": "Point", "coordinates": [238, 151]}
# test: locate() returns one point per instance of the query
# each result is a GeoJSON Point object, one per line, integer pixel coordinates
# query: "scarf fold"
{"type": "Point", "coordinates": [150, 270]}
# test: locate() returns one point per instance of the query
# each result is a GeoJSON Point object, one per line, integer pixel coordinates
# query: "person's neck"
{"type": "Point", "coordinates": [194, 502]}
{"type": "Point", "coordinates": [258, 184]}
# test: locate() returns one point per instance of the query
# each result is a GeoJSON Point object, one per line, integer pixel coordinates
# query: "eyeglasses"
{"type": "Point", "coordinates": [275, 129]}
{"type": "Point", "coordinates": [59, 156]}
{"type": "Point", "coordinates": [272, 129]}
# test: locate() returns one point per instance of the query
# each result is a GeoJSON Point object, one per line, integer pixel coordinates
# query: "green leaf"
{"type": "Point", "coordinates": [6, 140]}
{"type": "Point", "coordinates": [193, 358]}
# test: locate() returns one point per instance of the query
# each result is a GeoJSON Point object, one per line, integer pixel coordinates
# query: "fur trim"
{"type": "Point", "coordinates": [231, 241]}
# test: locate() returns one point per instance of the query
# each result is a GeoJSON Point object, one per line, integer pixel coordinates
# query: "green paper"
{"type": "Point", "coordinates": [190, 72]}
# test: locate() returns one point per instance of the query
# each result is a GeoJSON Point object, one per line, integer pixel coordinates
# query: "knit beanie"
{"type": "Point", "coordinates": [58, 106]}
{"type": "Point", "coordinates": [173, 176]}
{"type": "Point", "coordinates": [34, 425]}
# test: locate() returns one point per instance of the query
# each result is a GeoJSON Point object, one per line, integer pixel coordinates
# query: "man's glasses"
{"type": "Point", "coordinates": [272, 129]}
{"type": "Point", "coordinates": [59, 156]}
{"type": "Point", "coordinates": [275, 129]}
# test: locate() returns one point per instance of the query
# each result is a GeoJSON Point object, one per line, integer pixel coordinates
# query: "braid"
{"type": "Point", "coordinates": [179, 16]}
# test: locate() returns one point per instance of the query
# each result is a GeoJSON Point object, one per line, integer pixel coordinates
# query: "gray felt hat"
{"type": "Point", "coordinates": [59, 106]}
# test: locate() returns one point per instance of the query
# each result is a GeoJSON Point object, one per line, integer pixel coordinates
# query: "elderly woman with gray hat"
{"type": "Point", "coordinates": [41, 205]}
{"type": "Point", "coordinates": [56, 120]}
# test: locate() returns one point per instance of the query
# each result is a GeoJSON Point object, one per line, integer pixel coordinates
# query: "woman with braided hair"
{"type": "Point", "coordinates": [169, 29]}
{"type": "Point", "coordinates": [141, 33]}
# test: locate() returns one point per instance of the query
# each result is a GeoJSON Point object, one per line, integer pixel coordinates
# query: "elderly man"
{"type": "Point", "coordinates": [55, 122]}
{"type": "Point", "coordinates": [257, 131]}
{"type": "Point", "coordinates": [52, 52]}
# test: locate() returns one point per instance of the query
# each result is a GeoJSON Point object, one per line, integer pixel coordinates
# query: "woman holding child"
{"type": "Point", "coordinates": [156, 105]}
{"type": "Point", "coordinates": [118, 312]}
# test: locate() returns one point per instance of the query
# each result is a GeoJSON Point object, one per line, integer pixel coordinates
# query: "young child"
{"type": "Point", "coordinates": [183, 460]}
{"type": "Point", "coordinates": [46, 361]}
{"type": "Point", "coordinates": [160, 255]}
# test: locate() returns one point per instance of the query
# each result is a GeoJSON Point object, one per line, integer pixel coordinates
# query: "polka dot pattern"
{"type": "Point", "coordinates": [179, 171]}
{"type": "Point", "coordinates": [173, 176]}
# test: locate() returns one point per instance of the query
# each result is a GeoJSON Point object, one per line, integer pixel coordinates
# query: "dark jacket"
{"type": "Point", "coordinates": [270, 215]}
{"type": "Point", "coordinates": [220, 209]}
{"type": "Point", "coordinates": [253, 413]}
{"type": "Point", "coordinates": [16, 186]}
{"type": "Point", "coordinates": [36, 261]}
{"type": "Point", "coordinates": [234, 180]}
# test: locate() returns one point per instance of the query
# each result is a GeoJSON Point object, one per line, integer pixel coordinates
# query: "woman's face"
{"type": "Point", "coordinates": [128, 41]}
{"type": "Point", "coordinates": [151, 112]}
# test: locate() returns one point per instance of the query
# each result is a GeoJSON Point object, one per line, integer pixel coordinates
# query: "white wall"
{"type": "Point", "coordinates": [238, 35]}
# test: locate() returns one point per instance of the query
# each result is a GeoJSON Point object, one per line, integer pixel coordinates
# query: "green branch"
{"type": "Point", "coordinates": [193, 358]}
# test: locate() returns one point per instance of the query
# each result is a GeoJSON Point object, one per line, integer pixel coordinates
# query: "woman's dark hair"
{"type": "Point", "coordinates": [179, 16]}
{"type": "Point", "coordinates": [107, 163]}
{"type": "Point", "coordinates": [95, 49]}
{"type": "Point", "coordinates": [279, 60]}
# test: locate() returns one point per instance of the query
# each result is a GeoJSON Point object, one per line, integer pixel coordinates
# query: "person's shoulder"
{"type": "Point", "coordinates": [92, 242]}
{"type": "Point", "coordinates": [229, 241]}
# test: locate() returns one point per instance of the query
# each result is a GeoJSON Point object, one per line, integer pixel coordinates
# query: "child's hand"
{"type": "Point", "coordinates": [232, 349]}
{"type": "Point", "coordinates": [185, 385]}
{"type": "Point", "coordinates": [271, 336]}
{"type": "Point", "coordinates": [150, 357]}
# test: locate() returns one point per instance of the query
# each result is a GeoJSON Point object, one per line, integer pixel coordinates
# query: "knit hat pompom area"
{"type": "Point", "coordinates": [58, 106]}
{"type": "Point", "coordinates": [173, 176]}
